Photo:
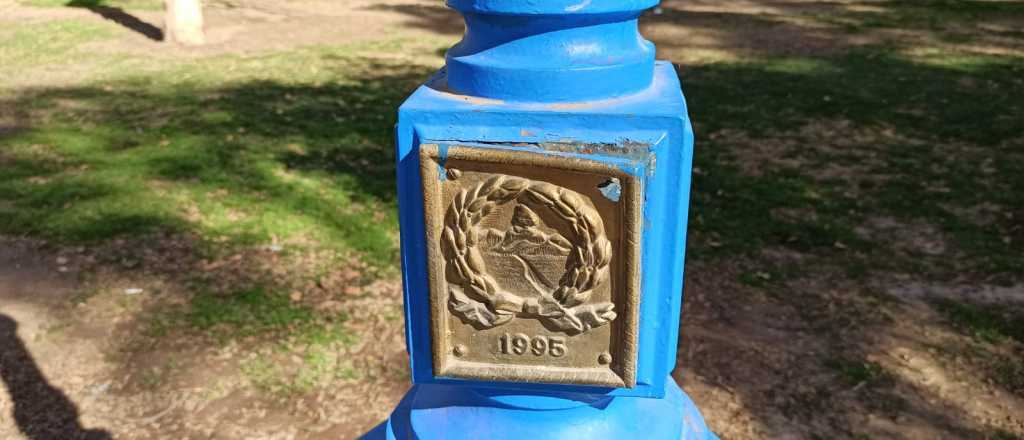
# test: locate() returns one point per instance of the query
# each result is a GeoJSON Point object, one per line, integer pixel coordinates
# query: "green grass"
{"type": "Point", "coordinates": [238, 149]}
{"type": "Point", "coordinates": [936, 14]}
{"type": "Point", "coordinates": [255, 312]}
{"type": "Point", "coordinates": [310, 358]}
{"type": "Point", "coordinates": [319, 370]}
{"type": "Point", "coordinates": [308, 354]}
{"type": "Point", "coordinates": [991, 327]}
{"type": "Point", "coordinates": [248, 312]}
{"type": "Point", "coordinates": [229, 151]}
{"type": "Point", "coordinates": [295, 147]}
{"type": "Point", "coordinates": [927, 125]}
{"type": "Point", "coordinates": [1000, 434]}
{"type": "Point", "coordinates": [735, 210]}
{"type": "Point", "coordinates": [1009, 372]}
{"type": "Point", "coordinates": [947, 21]}
{"type": "Point", "coordinates": [990, 324]}
{"type": "Point", "coordinates": [856, 372]}
{"type": "Point", "coordinates": [46, 43]}
{"type": "Point", "coordinates": [325, 335]}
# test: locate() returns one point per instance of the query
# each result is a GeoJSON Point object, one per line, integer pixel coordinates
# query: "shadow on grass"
{"type": "Point", "coordinates": [119, 16]}
{"type": "Point", "coordinates": [250, 161]}
{"type": "Point", "coordinates": [913, 132]}
{"type": "Point", "coordinates": [918, 140]}
{"type": "Point", "coordinates": [798, 150]}
{"type": "Point", "coordinates": [821, 28]}
{"type": "Point", "coordinates": [900, 138]}
{"type": "Point", "coordinates": [798, 156]}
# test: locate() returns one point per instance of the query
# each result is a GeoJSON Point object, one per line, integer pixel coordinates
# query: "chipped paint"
{"type": "Point", "coordinates": [612, 189]}
{"type": "Point", "coordinates": [638, 154]}
{"type": "Point", "coordinates": [578, 6]}
{"type": "Point", "coordinates": [546, 77]}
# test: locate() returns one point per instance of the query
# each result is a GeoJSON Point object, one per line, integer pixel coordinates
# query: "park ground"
{"type": "Point", "coordinates": [202, 242]}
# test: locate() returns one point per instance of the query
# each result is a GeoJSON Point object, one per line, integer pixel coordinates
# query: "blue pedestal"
{"type": "Point", "coordinates": [451, 412]}
{"type": "Point", "coordinates": [567, 81]}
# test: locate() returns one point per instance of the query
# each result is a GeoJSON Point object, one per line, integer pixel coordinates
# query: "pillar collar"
{"type": "Point", "coordinates": [550, 50]}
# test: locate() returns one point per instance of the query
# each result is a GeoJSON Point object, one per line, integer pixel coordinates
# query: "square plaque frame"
{"type": "Point", "coordinates": [616, 366]}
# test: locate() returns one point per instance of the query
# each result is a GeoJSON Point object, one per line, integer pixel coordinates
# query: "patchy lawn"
{"type": "Point", "coordinates": [203, 242]}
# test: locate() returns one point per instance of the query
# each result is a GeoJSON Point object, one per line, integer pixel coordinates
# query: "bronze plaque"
{"type": "Point", "coordinates": [533, 266]}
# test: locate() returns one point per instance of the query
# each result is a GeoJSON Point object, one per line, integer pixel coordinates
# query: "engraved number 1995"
{"type": "Point", "coordinates": [538, 345]}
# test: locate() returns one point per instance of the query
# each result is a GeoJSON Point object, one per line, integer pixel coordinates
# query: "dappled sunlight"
{"type": "Point", "coordinates": [805, 342]}
{"type": "Point", "coordinates": [726, 404]}
{"type": "Point", "coordinates": [154, 331]}
{"type": "Point", "coordinates": [139, 147]}
{"type": "Point", "coordinates": [978, 293]}
{"type": "Point", "coordinates": [682, 34]}
{"type": "Point", "coordinates": [700, 32]}
{"type": "Point", "coordinates": [842, 178]}
{"type": "Point", "coordinates": [213, 231]}
{"type": "Point", "coordinates": [932, 363]}
{"type": "Point", "coordinates": [223, 262]}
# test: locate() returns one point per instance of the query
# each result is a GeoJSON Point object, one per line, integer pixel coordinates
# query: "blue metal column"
{"type": "Point", "coordinates": [568, 80]}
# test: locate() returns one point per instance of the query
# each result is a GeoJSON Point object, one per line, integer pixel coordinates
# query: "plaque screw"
{"type": "Point", "coordinates": [454, 174]}
{"type": "Point", "coordinates": [460, 350]}
{"type": "Point", "coordinates": [604, 358]}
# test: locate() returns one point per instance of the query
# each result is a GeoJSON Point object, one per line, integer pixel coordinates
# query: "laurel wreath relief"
{"type": "Point", "coordinates": [476, 297]}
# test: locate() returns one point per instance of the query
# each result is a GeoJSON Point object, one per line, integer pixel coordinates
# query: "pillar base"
{"type": "Point", "coordinates": [450, 412]}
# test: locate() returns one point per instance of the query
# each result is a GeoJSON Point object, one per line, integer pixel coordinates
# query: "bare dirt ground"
{"type": "Point", "coordinates": [247, 26]}
{"type": "Point", "coordinates": [78, 348]}
{"type": "Point", "coordinates": [821, 355]}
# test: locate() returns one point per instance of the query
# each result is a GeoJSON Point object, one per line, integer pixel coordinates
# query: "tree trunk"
{"type": "Point", "coordinates": [184, 22]}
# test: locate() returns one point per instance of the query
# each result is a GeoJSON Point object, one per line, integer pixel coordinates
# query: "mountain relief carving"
{"type": "Point", "coordinates": [530, 268]}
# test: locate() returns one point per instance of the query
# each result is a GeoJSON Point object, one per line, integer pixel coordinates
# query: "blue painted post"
{"type": "Point", "coordinates": [544, 180]}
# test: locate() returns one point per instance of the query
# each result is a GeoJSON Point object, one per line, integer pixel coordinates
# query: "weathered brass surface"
{"type": "Point", "coordinates": [534, 266]}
